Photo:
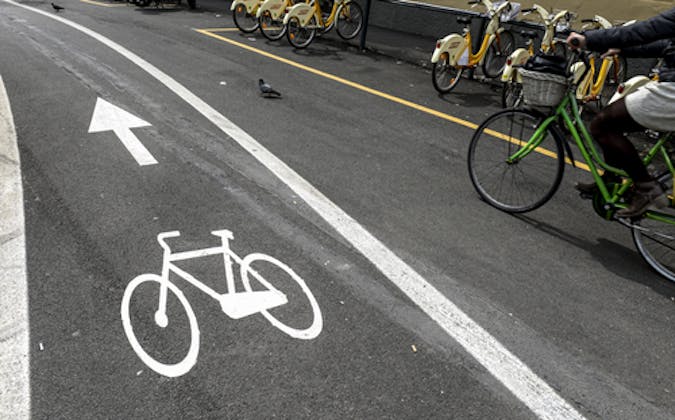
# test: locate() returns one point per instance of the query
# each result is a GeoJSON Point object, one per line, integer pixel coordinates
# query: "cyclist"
{"type": "Point", "coordinates": [652, 106]}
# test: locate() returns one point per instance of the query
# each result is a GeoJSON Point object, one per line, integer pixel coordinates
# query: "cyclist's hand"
{"type": "Point", "coordinates": [610, 52]}
{"type": "Point", "coordinates": [575, 41]}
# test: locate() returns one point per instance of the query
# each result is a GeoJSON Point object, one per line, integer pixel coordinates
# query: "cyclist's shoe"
{"type": "Point", "coordinates": [646, 194]}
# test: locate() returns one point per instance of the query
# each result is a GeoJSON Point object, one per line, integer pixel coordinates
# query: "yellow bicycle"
{"type": "Point", "coordinates": [453, 53]}
{"type": "Point", "coordinates": [554, 22]}
{"type": "Point", "coordinates": [599, 84]}
{"type": "Point", "coordinates": [304, 20]}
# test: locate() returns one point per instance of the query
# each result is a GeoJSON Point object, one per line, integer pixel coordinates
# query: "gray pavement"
{"type": "Point", "coordinates": [584, 313]}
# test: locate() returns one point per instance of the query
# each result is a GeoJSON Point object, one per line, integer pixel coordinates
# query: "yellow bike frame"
{"type": "Point", "coordinates": [590, 88]}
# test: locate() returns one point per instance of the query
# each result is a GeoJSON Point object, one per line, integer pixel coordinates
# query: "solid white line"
{"type": "Point", "coordinates": [14, 338]}
{"type": "Point", "coordinates": [507, 368]}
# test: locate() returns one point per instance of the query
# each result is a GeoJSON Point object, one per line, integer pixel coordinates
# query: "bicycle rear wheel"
{"type": "Point", "coordinates": [301, 36]}
{"type": "Point", "coordinates": [349, 20]}
{"type": "Point", "coordinates": [500, 49]}
{"type": "Point", "coordinates": [512, 94]}
{"type": "Point", "coordinates": [270, 28]}
{"type": "Point", "coordinates": [616, 76]}
{"type": "Point", "coordinates": [655, 240]}
{"type": "Point", "coordinates": [515, 185]}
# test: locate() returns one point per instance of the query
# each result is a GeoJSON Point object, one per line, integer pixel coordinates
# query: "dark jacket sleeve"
{"type": "Point", "coordinates": [658, 27]}
{"type": "Point", "coordinates": [652, 50]}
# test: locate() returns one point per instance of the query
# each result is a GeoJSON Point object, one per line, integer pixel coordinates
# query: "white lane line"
{"type": "Point", "coordinates": [14, 339]}
{"type": "Point", "coordinates": [506, 367]}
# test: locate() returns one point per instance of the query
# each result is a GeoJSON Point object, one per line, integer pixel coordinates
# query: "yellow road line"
{"type": "Point", "coordinates": [218, 29]}
{"type": "Point", "coordinates": [210, 32]}
{"type": "Point", "coordinates": [98, 3]}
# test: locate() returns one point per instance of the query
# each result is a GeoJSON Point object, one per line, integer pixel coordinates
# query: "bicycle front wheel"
{"type": "Point", "coordinates": [655, 239]}
{"type": "Point", "coordinates": [507, 172]}
{"type": "Point", "coordinates": [495, 58]}
{"type": "Point", "coordinates": [261, 267]}
{"type": "Point", "coordinates": [349, 20]}
{"type": "Point", "coordinates": [148, 327]}
{"type": "Point", "coordinates": [245, 21]}
{"type": "Point", "coordinates": [444, 75]}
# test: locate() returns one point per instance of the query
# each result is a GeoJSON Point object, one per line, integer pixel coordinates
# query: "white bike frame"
{"type": "Point", "coordinates": [234, 304]}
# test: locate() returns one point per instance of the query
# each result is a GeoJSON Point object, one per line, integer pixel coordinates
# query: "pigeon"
{"type": "Point", "coordinates": [57, 7]}
{"type": "Point", "coordinates": [267, 90]}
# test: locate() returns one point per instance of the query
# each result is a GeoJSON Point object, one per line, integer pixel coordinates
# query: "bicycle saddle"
{"type": "Point", "coordinates": [464, 19]}
{"type": "Point", "coordinates": [529, 34]}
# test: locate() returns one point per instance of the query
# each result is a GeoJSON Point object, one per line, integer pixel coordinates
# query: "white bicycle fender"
{"type": "Point", "coordinates": [249, 4]}
{"type": "Point", "coordinates": [453, 44]}
{"type": "Point", "coordinates": [629, 86]}
{"type": "Point", "coordinates": [302, 11]}
{"type": "Point", "coordinates": [517, 58]}
{"type": "Point", "coordinates": [276, 8]}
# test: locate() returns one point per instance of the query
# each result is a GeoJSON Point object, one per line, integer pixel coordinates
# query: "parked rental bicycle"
{"type": "Point", "coordinates": [270, 16]}
{"type": "Point", "coordinates": [305, 20]}
{"type": "Point", "coordinates": [453, 53]}
{"type": "Point", "coordinates": [599, 84]}
{"type": "Point", "coordinates": [554, 22]}
{"type": "Point", "coordinates": [235, 304]}
{"type": "Point", "coordinates": [517, 157]}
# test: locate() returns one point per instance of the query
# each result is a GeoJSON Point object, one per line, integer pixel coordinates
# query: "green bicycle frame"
{"type": "Point", "coordinates": [584, 142]}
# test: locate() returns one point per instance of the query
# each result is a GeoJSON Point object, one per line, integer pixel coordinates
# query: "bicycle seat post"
{"type": "Point", "coordinates": [226, 235]}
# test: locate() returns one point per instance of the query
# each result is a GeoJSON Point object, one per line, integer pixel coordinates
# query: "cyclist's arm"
{"type": "Point", "coordinates": [651, 50]}
{"type": "Point", "coordinates": [656, 28]}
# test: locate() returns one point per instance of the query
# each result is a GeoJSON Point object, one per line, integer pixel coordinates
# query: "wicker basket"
{"type": "Point", "coordinates": [542, 89]}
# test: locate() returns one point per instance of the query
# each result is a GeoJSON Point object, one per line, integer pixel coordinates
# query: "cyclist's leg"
{"type": "Point", "coordinates": [608, 129]}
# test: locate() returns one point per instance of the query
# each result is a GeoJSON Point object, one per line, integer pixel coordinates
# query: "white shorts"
{"type": "Point", "coordinates": [653, 106]}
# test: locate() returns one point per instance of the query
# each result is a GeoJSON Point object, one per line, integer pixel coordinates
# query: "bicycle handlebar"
{"type": "Point", "coordinates": [165, 235]}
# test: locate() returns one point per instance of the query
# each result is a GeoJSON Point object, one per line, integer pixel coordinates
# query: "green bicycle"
{"type": "Point", "coordinates": [517, 158]}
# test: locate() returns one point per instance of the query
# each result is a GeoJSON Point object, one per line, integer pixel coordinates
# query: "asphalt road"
{"type": "Point", "coordinates": [563, 291]}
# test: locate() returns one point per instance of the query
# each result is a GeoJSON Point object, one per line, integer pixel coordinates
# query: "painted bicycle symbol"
{"type": "Point", "coordinates": [235, 304]}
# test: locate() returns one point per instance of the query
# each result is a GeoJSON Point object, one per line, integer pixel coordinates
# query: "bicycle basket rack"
{"type": "Point", "coordinates": [543, 89]}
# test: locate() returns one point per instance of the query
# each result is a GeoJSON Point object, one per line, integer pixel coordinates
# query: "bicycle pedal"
{"type": "Point", "coordinates": [586, 196]}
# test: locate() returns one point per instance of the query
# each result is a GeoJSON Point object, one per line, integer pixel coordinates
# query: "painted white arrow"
{"type": "Point", "coordinates": [108, 117]}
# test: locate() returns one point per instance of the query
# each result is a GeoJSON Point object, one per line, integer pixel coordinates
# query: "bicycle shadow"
{"type": "Point", "coordinates": [622, 261]}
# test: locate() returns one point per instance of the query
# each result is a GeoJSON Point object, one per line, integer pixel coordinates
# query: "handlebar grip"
{"type": "Point", "coordinates": [588, 20]}
{"type": "Point", "coordinates": [531, 9]}
{"type": "Point", "coordinates": [473, 1]}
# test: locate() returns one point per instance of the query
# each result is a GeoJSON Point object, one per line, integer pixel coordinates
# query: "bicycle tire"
{"type": "Point", "coordinates": [166, 369]}
{"type": "Point", "coordinates": [616, 76]}
{"type": "Point", "coordinates": [445, 76]}
{"type": "Point", "coordinates": [655, 241]}
{"type": "Point", "coordinates": [271, 29]}
{"type": "Point", "coordinates": [245, 21]}
{"type": "Point", "coordinates": [497, 54]}
{"type": "Point", "coordinates": [302, 333]}
{"type": "Point", "coordinates": [349, 20]}
{"type": "Point", "coordinates": [298, 36]}
{"type": "Point", "coordinates": [512, 94]}
{"type": "Point", "coordinates": [495, 140]}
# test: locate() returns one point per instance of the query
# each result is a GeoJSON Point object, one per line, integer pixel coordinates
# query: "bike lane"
{"type": "Point", "coordinates": [93, 215]}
